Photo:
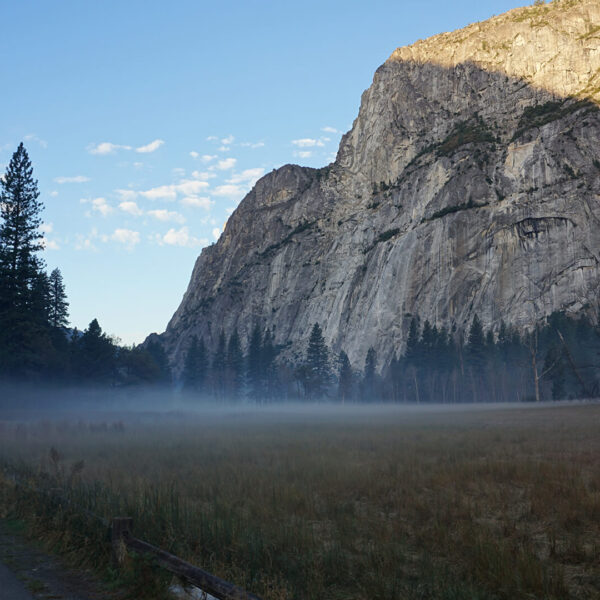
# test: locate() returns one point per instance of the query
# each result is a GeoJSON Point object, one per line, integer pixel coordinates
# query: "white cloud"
{"type": "Point", "coordinates": [329, 129]}
{"type": "Point", "coordinates": [131, 207]}
{"type": "Point", "coordinates": [191, 187]}
{"type": "Point", "coordinates": [248, 176]}
{"type": "Point", "coordinates": [54, 193]}
{"type": "Point", "coordinates": [100, 205]}
{"type": "Point", "coordinates": [197, 202]}
{"type": "Point", "coordinates": [75, 179]}
{"type": "Point", "coordinates": [151, 147]}
{"type": "Point", "coordinates": [216, 233]}
{"type": "Point", "coordinates": [106, 148]}
{"type": "Point", "coordinates": [138, 165]}
{"type": "Point", "coordinates": [194, 154]}
{"type": "Point", "coordinates": [226, 163]}
{"type": "Point", "coordinates": [252, 145]}
{"type": "Point", "coordinates": [304, 153]}
{"type": "Point", "coordinates": [230, 191]}
{"type": "Point", "coordinates": [178, 171]}
{"type": "Point", "coordinates": [307, 143]}
{"type": "Point", "coordinates": [227, 141]}
{"type": "Point", "coordinates": [167, 215]}
{"type": "Point", "coordinates": [46, 227]}
{"type": "Point", "coordinates": [166, 192]}
{"type": "Point", "coordinates": [181, 237]}
{"type": "Point", "coordinates": [208, 157]}
{"type": "Point", "coordinates": [224, 148]}
{"type": "Point", "coordinates": [212, 138]}
{"type": "Point", "coordinates": [203, 175]}
{"type": "Point", "coordinates": [127, 237]}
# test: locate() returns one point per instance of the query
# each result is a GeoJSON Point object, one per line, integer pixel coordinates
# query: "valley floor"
{"type": "Point", "coordinates": [328, 502]}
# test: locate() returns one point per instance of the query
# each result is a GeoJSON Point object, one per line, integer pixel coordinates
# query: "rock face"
{"type": "Point", "coordinates": [469, 183]}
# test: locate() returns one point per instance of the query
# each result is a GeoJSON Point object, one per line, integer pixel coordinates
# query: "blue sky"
{"type": "Point", "coordinates": [148, 121]}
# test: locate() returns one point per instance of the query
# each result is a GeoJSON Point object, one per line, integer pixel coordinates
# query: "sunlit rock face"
{"type": "Point", "coordinates": [469, 183]}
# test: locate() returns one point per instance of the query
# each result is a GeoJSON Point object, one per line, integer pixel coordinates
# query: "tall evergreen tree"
{"type": "Point", "coordinates": [59, 307]}
{"type": "Point", "coordinates": [190, 367]}
{"type": "Point", "coordinates": [317, 364]}
{"type": "Point", "coordinates": [24, 340]}
{"type": "Point", "coordinates": [95, 355]}
{"type": "Point", "coordinates": [20, 237]}
{"type": "Point", "coordinates": [254, 364]}
{"type": "Point", "coordinates": [219, 366]}
{"type": "Point", "coordinates": [345, 377]}
{"type": "Point", "coordinates": [268, 370]}
{"type": "Point", "coordinates": [235, 366]}
{"type": "Point", "coordinates": [369, 375]}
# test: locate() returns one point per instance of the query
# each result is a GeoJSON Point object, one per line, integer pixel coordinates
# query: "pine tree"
{"type": "Point", "coordinates": [190, 367]}
{"type": "Point", "coordinates": [317, 363]}
{"type": "Point", "coordinates": [345, 377]}
{"type": "Point", "coordinates": [95, 355]}
{"type": "Point", "coordinates": [25, 346]}
{"type": "Point", "coordinates": [235, 366]}
{"type": "Point", "coordinates": [369, 375]}
{"type": "Point", "coordinates": [58, 309]}
{"type": "Point", "coordinates": [269, 376]}
{"type": "Point", "coordinates": [254, 365]}
{"type": "Point", "coordinates": [20, 237]}
{"type": "Point", "coordinates": [219, 366]}
{"type": "Point", "coordinates": [476, 344]}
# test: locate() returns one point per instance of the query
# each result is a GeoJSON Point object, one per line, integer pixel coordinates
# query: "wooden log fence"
{"type": "Point", "coordinates": [222, 590]}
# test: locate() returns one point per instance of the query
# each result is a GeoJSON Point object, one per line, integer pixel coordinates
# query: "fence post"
{"type": "Point", "coordinates": [118, 527]}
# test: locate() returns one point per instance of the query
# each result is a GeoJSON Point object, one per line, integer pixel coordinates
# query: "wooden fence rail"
{"type": "Point", "coordinates": [122, 538]}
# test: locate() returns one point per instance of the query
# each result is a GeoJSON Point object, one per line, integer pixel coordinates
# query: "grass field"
{"type": "Point", "coordinates": [333, 503]}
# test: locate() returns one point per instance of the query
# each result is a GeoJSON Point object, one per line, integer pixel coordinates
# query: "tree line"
{"type": "Point", "coordinates": [558, 359]}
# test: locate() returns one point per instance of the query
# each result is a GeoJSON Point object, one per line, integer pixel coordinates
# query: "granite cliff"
{"type": "Point", "coordinates": [469, 183]}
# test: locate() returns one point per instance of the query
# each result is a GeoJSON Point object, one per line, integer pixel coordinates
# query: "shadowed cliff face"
{"type": "Point", "coordinates": [462, 188]}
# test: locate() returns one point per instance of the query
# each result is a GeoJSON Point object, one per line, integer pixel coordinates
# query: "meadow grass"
{"type": "Point", "coordinates": [389, 504]}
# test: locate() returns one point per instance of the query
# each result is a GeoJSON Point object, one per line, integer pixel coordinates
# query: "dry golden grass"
{"type": "Point", "coordinates": [495, 503]}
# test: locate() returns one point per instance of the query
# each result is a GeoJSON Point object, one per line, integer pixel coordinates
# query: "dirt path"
{"type": "Point", "coordinates": [29, 573]}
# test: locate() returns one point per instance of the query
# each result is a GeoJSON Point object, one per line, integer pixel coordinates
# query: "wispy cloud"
{"type": "Point", "coordinates": [131, 207]}
{"type": "Point", "coordinates": [226, 163]}
{"type": "Point", "coordinates": [252, 145]}
{"type": "Point", "coordinates": [329, 129]}
{"type": "Point", "coordinates": [180, 237]}
{"type": "Point", "coordinates": [248, 176]}
{"type": "Point", "coordinates": [194, 154]}
{"type": "Point", "coordinates": [230, 191]}
{"type": "Point", "coordinates": [203, 175]}
{"type": "Point", "coordinates": [167, 215]}
{"type": "Point", "coordinates": [216, 233]}
{"type": "Point", "coordinates": [151, 147]}
{"type": "Point", "coordinates": [304, 153]}
{"type": "Point", "coordinates": [161, 192]}
{"type": "Point", "coordinates": [197, 202]}
{"type": "Point", "coordinates": [126, 237]}
{"type": "Point", "coordinates": [227, 141]}
{"type": "Point", "coordinates": [74, 179]}
{"type": "Point", "coordinates": [100, 205]}
{"type": "Point", "coordinates": [307, 143]}
{"type": "Point", "coordinates": [106, 148]}
{"type": "Point", "coordinates": [208, 157]}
